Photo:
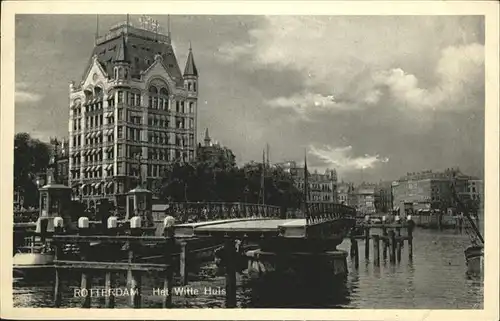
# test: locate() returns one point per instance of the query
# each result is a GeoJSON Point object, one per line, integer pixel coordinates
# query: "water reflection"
{"type": "Point", "coordinates": [435, 279]}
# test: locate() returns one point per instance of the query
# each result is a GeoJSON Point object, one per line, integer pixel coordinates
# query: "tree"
{"type": "Point", "coordinates": [214, 176]}
{"type": "Point", "coordinates": [31, 157]}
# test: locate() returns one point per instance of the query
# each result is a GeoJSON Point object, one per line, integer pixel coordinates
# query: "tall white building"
{"type": "Point", "coordinates": [132, 113]}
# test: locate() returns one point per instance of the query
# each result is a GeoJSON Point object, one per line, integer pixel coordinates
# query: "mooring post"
{"type": "Point", "coordinates": [86, 284]}
{"type": "Point", "coordinates": [376, 250]}
{"type": "Point", "coordinates": [392, 246]}
{"type": "Point", "coordinates": [351, 237]}
{"type": "Point", "coordinates": [135, 276]}
{"type": "Point", "coordinates": [58, 229]}
{"type": "Point", "coordinates": [183, 263]}
{"type": "Point", "coordinates": [109, 299]}
{"type": "Point", "coordinates": [355, 251]}
{"type": "Point", "coordinates": [168, 232]}
{"type": "Point", "coordinates": [367, 238]}
{"type": "Point", "coordinates": [385, 242]}
{"type": "Point", "coordinates": [399, 240]}
{"type": "Point", "coordinates": [230, 258]}
{"type": "Point", "coordinates": [410, 227]}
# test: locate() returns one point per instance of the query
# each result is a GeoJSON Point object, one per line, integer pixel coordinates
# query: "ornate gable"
{"type": "Point", "coordinates": [95, 76]}
{"type": "Point", "coordinates": [159, 70]}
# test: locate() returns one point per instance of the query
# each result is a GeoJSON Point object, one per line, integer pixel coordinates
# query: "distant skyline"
{"type": "Point", "coordinates": [372, 96]}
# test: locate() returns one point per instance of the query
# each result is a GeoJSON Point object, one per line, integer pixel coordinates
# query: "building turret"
{"type": "Point", "coordinates": [122, 62]}
{"type": "Point", "coordinates": [191, 74]}
{"type": "Point", "coordinates": [207, 139]}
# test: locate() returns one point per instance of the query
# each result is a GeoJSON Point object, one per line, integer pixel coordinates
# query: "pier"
{"type": "Point", "coordinates": [264, 240]}
{"type": "Point", "coordinates": [390, 239]}
{"type": "Point", "coordinates": [281, 239]}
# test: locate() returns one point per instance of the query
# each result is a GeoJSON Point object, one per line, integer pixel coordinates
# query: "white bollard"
{"type": "Point", "coordinates": [83, 222]}
{"type": "Point", "coordinates": [58, 222]}
{"type": "Point", "coordinates": [408, 218]}
{"type": "Point", "coordinates": [169, 221]}
{"type": "Point", "coordinates": [135, 222]}
{"type": "Point", "coordinates": [112, 222]}
{"type": "Point", "coordinates": [384, 218]}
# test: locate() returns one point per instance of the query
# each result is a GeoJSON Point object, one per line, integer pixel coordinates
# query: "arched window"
{"type": "Point", "coordinates": [153, 97]}
{"type": "Point", "coordinates": [163, 99]}
{"type": "Point", "coordinates": [98, 92]}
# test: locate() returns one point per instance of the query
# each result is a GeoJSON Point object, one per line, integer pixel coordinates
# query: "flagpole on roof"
{"type": "Point", "coordinates": [96, 28]}
{"type": "Point", "coordinates": [306, 184]}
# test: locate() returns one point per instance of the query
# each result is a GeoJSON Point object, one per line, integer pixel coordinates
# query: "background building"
{"type": "Point", "coordinates": [322, 187]}
{"type": "Point", "coordinates": [132, 113]}
{"type": "Point", "coordinates": [428, 190]}
{"type": "Point", "coordinates": [383, 197]}
{"type": "Point", "coordinates": [61, 150]}
{"type": "Point", "coordinates": [345, 194]}
{"type": "Point", "coordinates": [365, 198]}
{"type": "Point", "coordinates": [213, 151]}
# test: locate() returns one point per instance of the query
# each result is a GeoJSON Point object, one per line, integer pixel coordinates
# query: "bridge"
{"type": "Point", "coordinates": [215, 219]}
{"type": "Point", "coordinates": [280, 237]}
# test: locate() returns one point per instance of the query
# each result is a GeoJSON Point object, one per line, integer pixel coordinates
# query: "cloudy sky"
{"type": "Point", "coordinates": [373, 97]}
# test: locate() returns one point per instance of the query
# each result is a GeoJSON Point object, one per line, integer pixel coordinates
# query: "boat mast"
{"type": "Point", "coordinates": [464, 209]}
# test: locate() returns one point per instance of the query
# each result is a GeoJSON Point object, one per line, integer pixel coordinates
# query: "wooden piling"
{"type": "Point", "coordinates": [392, 246]}
{"type": "Point", "coordinates": [168, 281]}
{"type": "Point", "coordinates": [57, 281]}
{"type": "Point", "coordinates": [355, 252]}
{"type": "Point", "coordinates": [399, 241]}
{"type": "Point", "coordinates": [86, 281]}
{"type": "Point", "coordinates": [351, 251]}
{"type": "Point", "coordinates": [385, 242]}
{"type": "Point", "coordinates": [367, 243]}
{"type": "Point", "coordinates": [109, 300]}
{"type": "Point", "coordinates": [230, 258]}
{"type": "Point", "coordinates": [134, 277]}
{"type": "Point", "coordinates": [410, 239]}
{"type": "Point", "coordinates": [183, 263]}
{"type": "Point", "coordinates": [376, 250]}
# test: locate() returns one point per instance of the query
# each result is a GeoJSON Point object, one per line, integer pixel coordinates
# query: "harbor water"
{"type": "Point", "coordinates": [435, 279]}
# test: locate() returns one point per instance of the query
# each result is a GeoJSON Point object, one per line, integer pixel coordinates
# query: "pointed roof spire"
{"type": "Point", "coordinates": [121, 54]}
{"type": "Point", "coordinates": [190, 69]}
{"type": "Point", "coordinates": [207, 138]}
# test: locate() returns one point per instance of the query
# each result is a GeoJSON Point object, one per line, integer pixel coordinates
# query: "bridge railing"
{"type": "Point", "coordinates": [27, 216]}
{"type": "Point", "coordinates": [321, 212]}
{"type": "Point", "coordinates": [209, 211]}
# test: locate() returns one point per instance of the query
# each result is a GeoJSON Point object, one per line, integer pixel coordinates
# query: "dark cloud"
{"type": "Point", "coordinates": [245, 62]}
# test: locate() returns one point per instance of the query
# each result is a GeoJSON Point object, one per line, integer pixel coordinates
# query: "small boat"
{"type": "Point", "coordinates": [474, 257]}
{"type": "Point", "coordinates": [29, 264]}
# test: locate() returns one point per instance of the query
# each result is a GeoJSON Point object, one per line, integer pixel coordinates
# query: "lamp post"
{"type": "Point", "coordinates": [141, 160]}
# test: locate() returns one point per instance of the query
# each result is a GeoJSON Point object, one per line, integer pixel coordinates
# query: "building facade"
{"type": "Point", "coordinates": [345, 194]}
{"type": "Point", "coordinates": [365, 198]}
{"type": "Point", "coordinates": [132, 113]}
{"type": "Point", "coordinates": [383, 197]}
{"type": "Point", "coordinates": [428, 190]}
{"type": "Point", "coordinates": [214, 151]}
{"type": "Point", "coordinates": [322, 187]}
{"type": "Point", "coordinates": [61, 150]}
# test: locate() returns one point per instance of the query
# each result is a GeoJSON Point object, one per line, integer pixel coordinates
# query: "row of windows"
{"type": "Point", "coordinates": [316, 187]}
{"type": "Point", "coordinates": [77, 124]}
{"type": "Point", "coordinates": [320, 198]}
{"type": "Point", "coordinates": [96, 120]}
